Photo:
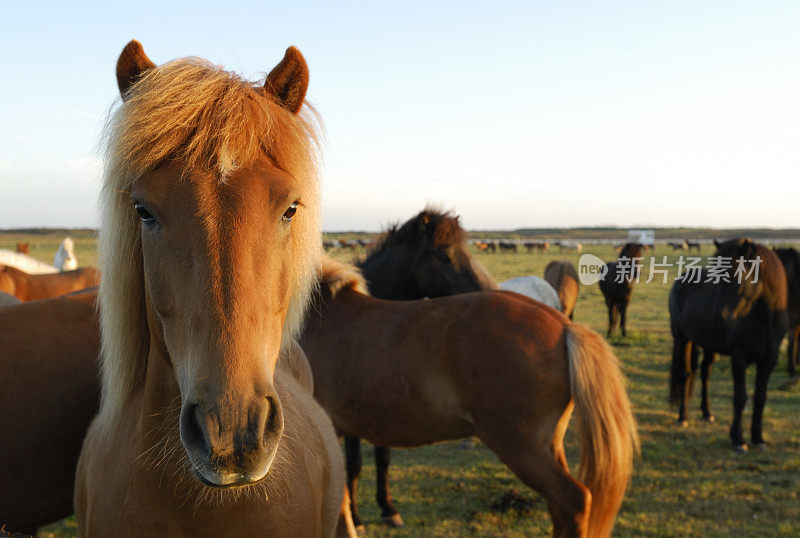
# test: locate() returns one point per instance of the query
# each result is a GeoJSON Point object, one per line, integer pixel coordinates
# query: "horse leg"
{"type": "Point", "coordinates": [705, 373]}
{"type": "Point", "coordinates": [623, 309]}
{"type": "Point", "coordinates": [352, 451]}
{"type": "Point", "coordinates": [687, 358]}
{"type": "Point", "coordinates": [759, 400]}
{"type": "Point", "coordinates": [345, 528]}
{"type": "Point", "coordinates": [542, 466]}
{"type": "Point", "coordinates": [612, 317]}
{"type": "Point", "coordinates": [389, 514]}
{"type": "Point", "coordinates": [794, 350]}
{"type": "Point", "coordinates": [738, 367]}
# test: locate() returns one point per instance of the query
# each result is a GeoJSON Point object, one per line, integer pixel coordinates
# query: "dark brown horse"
{"type": "Point", "coordinates": [27, 287]}
{"type": "Point", "coordinates": [493, 364]}
{"type": "Point", "coordinates": [563, 276]}
{"type": "Point", "coordinates": [426, 256]}
{"type": "Point", "coordinates": [48, 349]}
{"type": "Point", "coordinates": [617, 285]}
{"type": "Point", "coordinates": [746, 320]}
{"type": "Point", "coordinates": [791, 264]}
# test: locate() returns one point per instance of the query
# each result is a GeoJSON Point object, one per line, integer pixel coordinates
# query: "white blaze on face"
{"type": "Point", "coordinates": [65, 259]}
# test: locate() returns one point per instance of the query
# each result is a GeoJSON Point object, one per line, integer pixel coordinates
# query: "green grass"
{"type": "Point", "coordinates": [687, 481]}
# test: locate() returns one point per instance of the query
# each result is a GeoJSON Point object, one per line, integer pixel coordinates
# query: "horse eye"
{"type": "Point", "coordinates": [144, 214]}
{"type": "Point", "coordinates": [287, 216]}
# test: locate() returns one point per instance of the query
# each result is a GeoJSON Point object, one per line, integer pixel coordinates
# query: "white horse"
{"type": "Point", "coordinates": [536, 288]}
{"type": "Point", "coordinates": [65, 259]}
{"type": "Point", "coordinates": [25, 263]}
{"type": "Point", "coordinates": [531, 286]}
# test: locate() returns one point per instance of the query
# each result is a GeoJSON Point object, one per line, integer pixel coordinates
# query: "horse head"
{"type": "Point", "coordinates": [424, 257]}
{"type": "Point", "coordinates": [210, 237]}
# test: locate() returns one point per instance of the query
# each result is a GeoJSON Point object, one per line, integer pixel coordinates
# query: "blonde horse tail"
{"type": "Point", "coordinates": [608, 434]}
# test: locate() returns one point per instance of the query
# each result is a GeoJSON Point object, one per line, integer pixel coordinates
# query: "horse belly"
{"type": "Point", "coordinates": [419, 410]}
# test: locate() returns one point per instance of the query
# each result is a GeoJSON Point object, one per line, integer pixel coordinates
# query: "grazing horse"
{"type": "Point", "coordinates": [540, 246]}
{"type": "Point", "coordinates": [563, 277]}
{"type": "Point", "coordinates": [50, 350]}
{"type": "Point", "coordinates": [65, 259]}
{"type": "Point", "coordinates": [23, 248]}
{"type": "Point", "coordinates": [511, 377]}
{"type": "Point", "coordinates": [617, 285]}
{"type": "Point", "coordinates": [507, 246]}
{"type": "Point", "coordinates": [209, 245]}
{"type": "Point", "coordinates": [791, 264]}
{"type": "Point", "coordinates": [27, 287]}
{"type": "Point", "coordinates": [486, 246]}
{"type": "Point", "coordinates": [692, 245]}
{"type": "Point", "coordinates": [746, 320]}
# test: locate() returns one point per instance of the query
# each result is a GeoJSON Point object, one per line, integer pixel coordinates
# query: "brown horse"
{"type": "Point", "coordinates": [493, 364]}
{"type": "Point", "coordinates": [617, 285]}
{"type": "Point", "coordinates": [746, 320]}
{"type": "Point", "coordinates": [209, 245]}
{"type": "Point", "coordinates": [49, 349]}
{"type": "Point", "coordinates": [564, 279]}
{"type": "Point", "coordinates": [27, 287]}
{"type": "Point", "coordinates": [23, 248]}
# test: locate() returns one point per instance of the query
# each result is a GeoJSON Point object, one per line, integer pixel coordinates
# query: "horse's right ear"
{"type": "Point", "coordinates": [131, 65]}
{"type": "Point", "coordinates": [716, 243]}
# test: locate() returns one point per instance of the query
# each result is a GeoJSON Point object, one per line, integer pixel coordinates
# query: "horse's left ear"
{"type": "Point", "coordinates": [131, 65]}
{"type": "Point", "coordinates": [288, 81]}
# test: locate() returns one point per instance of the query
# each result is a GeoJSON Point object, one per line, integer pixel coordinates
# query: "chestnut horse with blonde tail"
{"type": "Point", "coordinates": [493, 364]}
{"type": "Point", "coordinates": [209, 246]}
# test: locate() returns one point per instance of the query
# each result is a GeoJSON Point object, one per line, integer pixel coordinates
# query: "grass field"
{"type": "Point", "coordinates": [687, 482]}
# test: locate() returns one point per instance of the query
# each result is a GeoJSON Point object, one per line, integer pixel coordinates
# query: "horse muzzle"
{"type": "Point", "coordinates": [229, 448]}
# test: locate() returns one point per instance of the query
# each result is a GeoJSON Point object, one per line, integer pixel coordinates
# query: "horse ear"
{"type": "Point", "coordinates": [131, 65]}
{"type": "Point", "coordinates": [288, 81]}
{"type": "Point", "coordinates": [716, 243]}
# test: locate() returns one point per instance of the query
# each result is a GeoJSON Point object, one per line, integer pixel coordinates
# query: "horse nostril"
{"type": "Point", "coordinates": [271, 424]}
{"type": "Point", "coordinates": [192, 432]}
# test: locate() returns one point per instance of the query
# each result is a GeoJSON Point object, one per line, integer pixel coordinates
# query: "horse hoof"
{"type": "Point", "coordinates": [360, 530]}
{"type": "Point", "coordinates": [761, 447]}
{"type": "Point", "coordinates": [709, 418]}
{"type": "Point", "coordinates": [682, 423]}
{"type": "Point", "coordinates": [394, 521]}
{"type": "Point", "coordinates": [741, 449]}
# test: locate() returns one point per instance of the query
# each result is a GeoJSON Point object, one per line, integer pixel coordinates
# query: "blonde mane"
{"type": "Point", "coordinates": [207, 118]}
{"type": "Point", "coordinates": [336, 276]}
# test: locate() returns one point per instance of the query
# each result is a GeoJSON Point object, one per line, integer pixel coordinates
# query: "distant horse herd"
{"type": "Point", "coordinates": [233, 351]}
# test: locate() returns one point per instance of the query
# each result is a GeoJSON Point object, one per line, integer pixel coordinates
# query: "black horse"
{"type": "Point", "coordinates": [746, 320]}
{"type": "Point", "coordinates": [617, 284]}
{"type": "Point", "coordinates": [791, 264]}
{"type": "Point", "coordinates": [425, 257]}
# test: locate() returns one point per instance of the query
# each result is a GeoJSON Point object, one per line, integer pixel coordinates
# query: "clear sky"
{"type": "Point", "coordinates": [514, 114]}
